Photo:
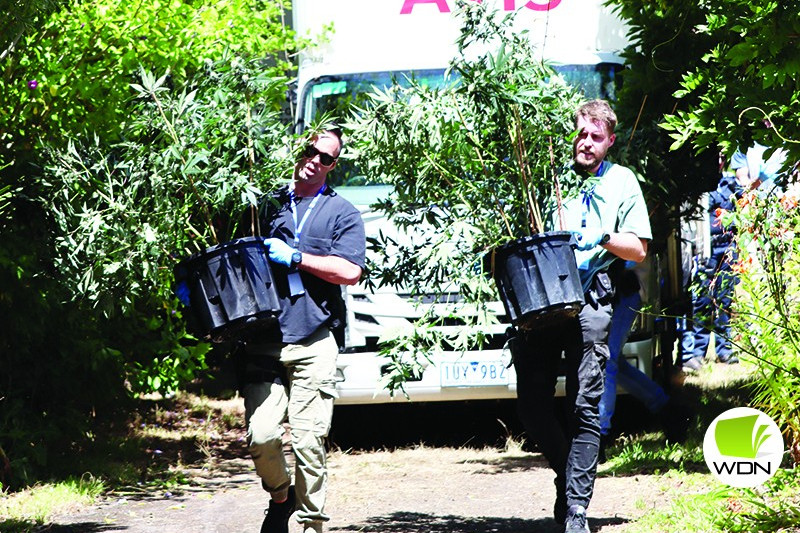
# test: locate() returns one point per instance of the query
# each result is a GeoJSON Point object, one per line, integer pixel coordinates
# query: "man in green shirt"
{"type": "Point", "coordinates": [611, 225]}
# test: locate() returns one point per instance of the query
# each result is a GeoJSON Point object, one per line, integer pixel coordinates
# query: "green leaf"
{"type": "Point", "coordinates": [741, 53]}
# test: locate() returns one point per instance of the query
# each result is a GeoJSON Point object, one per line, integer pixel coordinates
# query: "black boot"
{"type": "Point", "coordinates": [278, 514]}
{"type": "Point", "coordinates": [560, 507]}
{"type": "Point", "coordinates": [576, 520]}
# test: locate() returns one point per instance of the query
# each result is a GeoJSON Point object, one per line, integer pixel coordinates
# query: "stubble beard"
{"type": "Point", "coordinates": [584, 163]}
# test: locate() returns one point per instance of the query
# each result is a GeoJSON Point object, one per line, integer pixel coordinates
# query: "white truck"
{"type": "Point", "coordinates": [374, 41]}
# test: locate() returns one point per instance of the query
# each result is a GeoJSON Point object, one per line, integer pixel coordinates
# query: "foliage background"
{"type": "Point", "coordinates": [706, 75]}
{"type": "Point", "coordinates": [87, 322]}
{"type": "Point", "coordinates": [701, 77]}
{"type": "Point", "coordinates": [749, 73]}
{"type": "Point", "coordinates": [85, 56]}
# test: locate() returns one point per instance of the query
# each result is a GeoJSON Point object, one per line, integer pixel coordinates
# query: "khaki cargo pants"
{"type": "Point", "coordinates": [307, 402]}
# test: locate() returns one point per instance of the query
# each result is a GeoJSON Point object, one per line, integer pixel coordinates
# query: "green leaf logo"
{"type": "Point", "coordinates": [743, 447]}
{"type": "Point", "coordinates": [739, 437]}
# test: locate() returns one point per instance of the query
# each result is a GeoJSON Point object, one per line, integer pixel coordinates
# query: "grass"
{"type": "Point", "coordinates": [694, 507]}
{"type": "Point", "coordinates": [24, 510]}
{"type": "Point", "coordinates": [153, 451]}
{"type": "Point", "coordinates": [697, 502]}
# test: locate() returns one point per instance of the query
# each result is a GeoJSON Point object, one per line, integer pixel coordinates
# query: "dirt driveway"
{"type": "Point", "coordinates": [455, 479]}
{"type": "Point", "coordinates": [418, 490]}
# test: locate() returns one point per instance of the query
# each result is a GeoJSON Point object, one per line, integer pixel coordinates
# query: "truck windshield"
{"type": "Point", "coordinates": [338, 94]}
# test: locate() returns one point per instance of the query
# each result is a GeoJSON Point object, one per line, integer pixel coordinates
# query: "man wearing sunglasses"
{"type": "Point", "coordinates": [316, 244]}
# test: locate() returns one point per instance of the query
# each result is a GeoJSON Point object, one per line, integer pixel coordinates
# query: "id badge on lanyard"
{"type": "Point", "coordinates": [296, 287]}
{"type": "Point", "coordinates": [586, 205]}
{"type": "Point", "coordinates": [295, 283]}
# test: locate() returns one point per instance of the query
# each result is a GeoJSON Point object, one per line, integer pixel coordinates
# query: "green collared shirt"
{"type": "Point", "coordinates": [613, 201]}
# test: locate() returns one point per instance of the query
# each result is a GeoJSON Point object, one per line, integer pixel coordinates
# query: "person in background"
{"type": "Point", "coordinates": [714, 281]}
{"type": "Point", "coordinates": [610, 222]}
{"type": "Point", "coordinates": [755, 171]}
{"type": "Point", "coordinates": [316, 244]}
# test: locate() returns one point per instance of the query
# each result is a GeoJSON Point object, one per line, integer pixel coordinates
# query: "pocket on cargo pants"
{"type": "Point", "coordinates": [595, 325]}
{"type": "Point", "coordinates": [311, 408]}
{"type": "Point", "coordinates": [591, 374]}
{"type": "Point", "coordinates": [313, 387]}
{"type": "Point", "coordinates": [312, 392]}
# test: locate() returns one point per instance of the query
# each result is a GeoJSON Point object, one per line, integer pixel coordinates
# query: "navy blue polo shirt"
{"type": "Point", "coordinates": [333, 227]}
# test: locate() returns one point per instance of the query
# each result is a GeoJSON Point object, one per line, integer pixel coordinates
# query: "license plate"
{"type": "Point", "coordinates": [473, 374]}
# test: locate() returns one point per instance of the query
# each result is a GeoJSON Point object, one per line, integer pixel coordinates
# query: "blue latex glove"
{"type": "Point", "coordinates": [183, 293]}
{"type": "Point", "coordinates": [279, 251]}
{"type": "Point", "coordinates": [588, 238]}
{"type": "Point", "coordinates": [585, 264]}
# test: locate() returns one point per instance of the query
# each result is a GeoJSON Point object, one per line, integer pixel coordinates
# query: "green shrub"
{"type": "Point", "coordinates": [85, 268]}
{"type": "Point", "coordinates": [71, 73]}
{"type": "Point", "coordinates": [766, 315]}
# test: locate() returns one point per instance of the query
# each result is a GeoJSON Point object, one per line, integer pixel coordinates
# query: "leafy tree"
{"type": "Point", "coordinates": [709, 73]}
{"type": "Point", "coordinates": [717, 70]}
{"type": "Point", "coordinates": [748, 74]}
{"type": "Point", "coordinates": [18, 17]}
{"type": "Point", "coordinates": [72, 76]}
{"type": "Point", "coordinates": [665, 44]}
{"type": "Point", "coordinates": [84, 273]}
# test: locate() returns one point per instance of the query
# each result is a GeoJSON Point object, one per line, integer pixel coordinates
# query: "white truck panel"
{"type": "Point", "coordinates": [387, 35]}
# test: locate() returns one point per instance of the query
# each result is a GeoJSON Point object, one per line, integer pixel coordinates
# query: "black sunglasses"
{"type": "Point", "coordinates": [326, 159]}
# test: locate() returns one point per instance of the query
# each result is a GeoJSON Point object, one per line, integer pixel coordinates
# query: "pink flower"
{"type": "Point", "coordinates": [33, 84]}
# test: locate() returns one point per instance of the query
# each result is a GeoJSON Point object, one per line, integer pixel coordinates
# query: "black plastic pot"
{"type": "Point", "coordinates": [538, 280]}
{"type": "Point", "coordinates": [232, 292]}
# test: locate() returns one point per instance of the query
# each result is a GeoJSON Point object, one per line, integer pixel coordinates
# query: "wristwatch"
{"type": "Point", "coordinates": [606, 237]}
{"type": "Point", "coordinates": [297, 257]}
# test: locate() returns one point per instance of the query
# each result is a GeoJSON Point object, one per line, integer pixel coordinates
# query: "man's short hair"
{"type": "Point", "coordinates": [336, 131]}
{"type": "Point", "coordinates": [599, 111]}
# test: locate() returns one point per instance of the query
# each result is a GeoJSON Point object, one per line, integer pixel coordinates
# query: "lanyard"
{"type": "Point", "coordinates": [586, 203]}
{"type": "Point", "coordinates": [298, 228]}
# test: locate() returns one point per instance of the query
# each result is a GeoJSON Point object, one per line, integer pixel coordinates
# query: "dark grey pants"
{"type": "Point", "coordinates": [572, 448]}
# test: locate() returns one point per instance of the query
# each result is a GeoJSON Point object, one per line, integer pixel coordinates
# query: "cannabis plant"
{"type": "Point", "coordinates": [474, 163]}
{"type": "Point", "coordinates": [190, 163]}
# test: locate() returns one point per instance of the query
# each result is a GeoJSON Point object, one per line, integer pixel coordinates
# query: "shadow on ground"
{"type": "Point", "coordinates": [407, 522]}
{"type": "Point", "coordinates": [84, 527]}
{"type": "Point", "coordinates": [387, 426]}
{"type": "Point", "coordinates": [507, 465]}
